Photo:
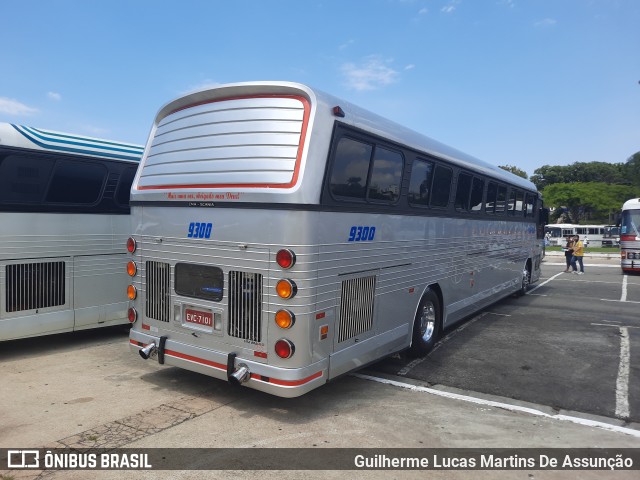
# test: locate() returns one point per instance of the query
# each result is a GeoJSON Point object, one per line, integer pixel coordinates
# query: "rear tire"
{"type": "Point", "coordinates": [426, 326]}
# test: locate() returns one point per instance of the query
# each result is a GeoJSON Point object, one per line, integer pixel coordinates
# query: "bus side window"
{"type": "Point", "coordinates": [463, 190]}
{"type": "Point", "coordinates": [76, 182]}
{"type": "Point", "coordinates": [350, 169]}
{"type": "Point", "coordinates": [477, 190]}
{"type": "Point", "coordinates": [441, 186]}
{"type": "Point", "coordinates": [386, 176]}
{"type": "Point", "coordinates": [530, 202]}
{"type": "Point", "coordinates": [492, 192]}
{"type": "Point", "coordinates": [124, 186]}
{"type": "Point", "coordinates": [501, 200]}
{"type": "Point", "coordinates": [519, 203]}
{"type": "Point", "coordinates": [420, 182]}
{"type": "Point", "coordinates": [23, 179]}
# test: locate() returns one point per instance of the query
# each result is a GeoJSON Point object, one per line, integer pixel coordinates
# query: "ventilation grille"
{"type": "Point", "coordinates": [245, 305]}
{"type": "Point", "coordinates": [35, 285]}
{"type": "Point", "coordinates": [356, 307]}
{"type": "Point", "coordinates": [158, 293]}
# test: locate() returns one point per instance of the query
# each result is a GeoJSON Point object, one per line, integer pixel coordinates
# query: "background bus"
{"type": "Point", "coordinates": [284, 237]}
{"type": "Point", "coordinates": [630, 236]}
{"type": "Point", "coordinates": [557, 233]}
{"type": "Point", "coordinates": [64, 213]}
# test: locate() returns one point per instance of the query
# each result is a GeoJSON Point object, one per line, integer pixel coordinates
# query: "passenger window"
{"type": "Point", "coordinates": [420, 182]}
{"type": "Point", "coordinates": [530, 202]}
{"type": "Point", "coordinates": [124, 186]}
{"type": "Point", "coordinates": [23, 179]}
{"type": "Point", "coordinates": [350, 169]}
{"type": "Point", "coordinates": [463, 191]}
{"type": "Point", "coordinates": [492, 192]}
{"type": "Point", "coordinates": [386, 176]}
{"type": "Point", "coordinates": [511, 205]}
{"type": "Point", "coordinates": [477, 190]}
{"type": "Point", "coordinates": [501, 200]}
{"type": "Point", "coordinates": [519, 203]}
{"type": "Point", "coordinates": [441, 186]}
{"type": "Point", "coordinates": [76, 182]}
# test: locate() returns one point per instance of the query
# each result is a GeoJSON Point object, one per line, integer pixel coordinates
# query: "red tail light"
{"type": "Point", "coordinates": [131, 245]}
{"type": "Point", "coordinates": [132, 314]}
{"type": "Point", "coordinates": [284, 348]}
{"type": "Point", "coordinates": [285, 258]}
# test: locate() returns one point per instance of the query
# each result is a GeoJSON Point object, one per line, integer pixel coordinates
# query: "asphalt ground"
{"type": "Point", "coordinates": [534, 372]}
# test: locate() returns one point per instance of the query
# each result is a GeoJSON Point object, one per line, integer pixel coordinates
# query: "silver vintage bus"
{"type": "Point", "coordinates": [284, 237]}
{"type": "Point", "coordinates": [64, 214]}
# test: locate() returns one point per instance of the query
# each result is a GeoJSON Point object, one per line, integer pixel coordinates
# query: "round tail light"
{"type": "Point", "coordinates": [131, 268]}
{"type": "Point", "coordinates": [284, 348]}
{"type": "Point", "coordinates": [131, 245]}
{"type": "Point", "coordinates": [285, 258]}
{"type": "Point", "coordinates": [132, 292]}
{"type": "Point", "coordinates": [285, 318]}
{"type": "Point", "coordinates": [286, 288]}
{"type": "Point", "coordinates": [132, 314]}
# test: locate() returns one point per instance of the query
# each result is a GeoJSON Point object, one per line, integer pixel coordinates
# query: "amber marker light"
{"type": "Point", "coordinates": [285, 318]}
{"type": "Point", "coordinates": [285, 258]}
{"type": "Point", "coordinates": [131, 268]}
{"type": "Point", "coordinates": [131, 245]}
{"type": "Point", "coordinates": [286, 288]}
{"type": "Point", "coordinates": [284, 348]}
{"type": "Point", "coordinates": [132, 292]}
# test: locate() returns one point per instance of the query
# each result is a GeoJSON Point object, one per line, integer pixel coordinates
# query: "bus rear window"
{"type": "Point", "coordinates": [199, 281]}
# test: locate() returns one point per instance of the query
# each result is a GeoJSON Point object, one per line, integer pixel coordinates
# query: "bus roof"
{"type": "Point", "coordinates": [21, 136]}
{"type": "Point", "coordinates": [355, 116]}
{"type": "Point", "coordinates": [632, 203]}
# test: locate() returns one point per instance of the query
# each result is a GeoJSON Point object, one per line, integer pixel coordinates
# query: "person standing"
{"type": "Point", "coordinates": [568, 253]}
{"type": "Point", "coordinates": [578, 253]}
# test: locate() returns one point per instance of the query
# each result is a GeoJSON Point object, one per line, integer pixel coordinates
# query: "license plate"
{"type": "Point", "coordinates": [198, 317]}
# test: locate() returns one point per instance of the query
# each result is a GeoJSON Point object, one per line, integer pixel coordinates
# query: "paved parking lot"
{"type": "Point", "coordinates": [572, 343]}
{"type": "Point", "coordinates": [532, 372]}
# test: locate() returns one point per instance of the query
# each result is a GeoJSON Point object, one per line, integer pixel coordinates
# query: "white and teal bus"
{"type": "Point", "coordinates": [64, 213]}
{"type": "Point", "coordinates": [283, 237]}
{"type": "Point", "coordinates": [630, 236]}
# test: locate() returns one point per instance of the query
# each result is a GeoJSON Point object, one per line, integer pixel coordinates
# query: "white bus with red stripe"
{"type": "Point", "coordinates": [630, 236]}
{"type": "Point", "coordinates": [283, 237]}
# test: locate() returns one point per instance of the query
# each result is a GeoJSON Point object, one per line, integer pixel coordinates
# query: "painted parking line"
{"type": "Point", "coordinates": [504, 406]}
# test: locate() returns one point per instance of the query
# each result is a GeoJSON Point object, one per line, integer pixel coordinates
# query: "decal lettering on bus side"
{"type": "Point", "coordinates": [362, 234]}
{"type": "Point", "coordinates": [199, 230]}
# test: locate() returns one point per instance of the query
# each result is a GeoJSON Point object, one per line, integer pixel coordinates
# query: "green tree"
{"type": "Point", "coordinates": [631, 169]}
{"type": "Point", "coordinates": [515, 170]}
{"type": "Point", "coordinates": [590, 201]}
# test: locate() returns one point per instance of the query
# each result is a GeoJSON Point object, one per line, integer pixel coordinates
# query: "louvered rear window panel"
{"type": "Point", "coordinates": [158, 293]}
{"type": "Point", "coordinates": [237, 141]}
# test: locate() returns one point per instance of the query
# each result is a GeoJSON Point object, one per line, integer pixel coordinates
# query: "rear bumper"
{"type": "Point", "coordinates": [283, 382]}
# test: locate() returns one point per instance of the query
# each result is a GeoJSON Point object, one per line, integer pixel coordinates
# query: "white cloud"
{"type": "Point", "coordinates": [14, 107]}
{"type": "Point", "coordinates": [411, 66]}
{"type": "Point", "coordinates": [423, 11]}
{"type": "Point", "coordinates": [346, 44]}
{"type": "Point", "coordinates": [54, 96]}
{"type": "Point", "coordinates": [370, 74]}
{"type": "Point", "coordinates": [450, 7]}
{"type": "Point", "coordinates": [547, 22]}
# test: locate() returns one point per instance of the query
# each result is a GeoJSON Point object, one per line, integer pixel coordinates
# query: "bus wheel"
{"type": "Point", "coordinates": [426, 326]}
{"type": "Point", "coordinates": [526, 280]}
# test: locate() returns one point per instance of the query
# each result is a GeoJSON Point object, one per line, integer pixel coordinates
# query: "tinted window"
{"type": "Point", "coordinates": [199, 281]}
{"type": "Point", "coordinates": [519, 206]}
{"type": "Point", "coordinates": [420, 182]}
{"type": "Point", "coordinates": [124, 186]}
{"type": "Point", "coordinates": [24, 179]}
{"type": "Point", "coordinates": [501, 199]}
{"type": "Point", "coordinates": [530, 201]}
{"type": "Point", "coordinates": [477, 190]}
{"type": "Point", "coordinates": [386, 175]}
{"type": "Point", "coordinates": [492, 192]}
{"type": "Point", "coordinates": [76, 182]}
{"type": "Point", "coordinates": [441, 186]}
{"type": "Point", "coordinates": [463, 191]}
{"type": "Point", "coordinates": [350, 168]}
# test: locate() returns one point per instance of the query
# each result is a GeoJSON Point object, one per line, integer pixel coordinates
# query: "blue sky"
{"type": "Point", "coordinates": [519, 82]}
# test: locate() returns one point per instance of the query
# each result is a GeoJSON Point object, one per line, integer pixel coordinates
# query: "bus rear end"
{"type": "Point", "coordinates": [213, 288]}
{"type": "Point", "coordinates": [630, 236]}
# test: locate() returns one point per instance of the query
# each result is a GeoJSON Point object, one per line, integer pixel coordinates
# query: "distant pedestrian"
{"type": "Point", "coordinates": [568, 253]}
{"type": "Point", "coordinates": [578, 253]}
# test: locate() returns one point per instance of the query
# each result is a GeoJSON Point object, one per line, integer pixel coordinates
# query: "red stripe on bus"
{"type": "Point", "coordinates": [275, 381]}
{"type": "Point", "coordinates": [296, 169]}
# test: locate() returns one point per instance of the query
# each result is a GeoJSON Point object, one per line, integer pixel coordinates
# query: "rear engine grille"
{"type": "Point", "coordinates": [245, 305]}
{"type": "Point", "coordinates": [158, 293]}
{"type": "Point", "coordinates": [356, 307]}
{"type": "Point", "coordinates": [35, 285]}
